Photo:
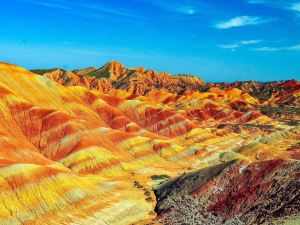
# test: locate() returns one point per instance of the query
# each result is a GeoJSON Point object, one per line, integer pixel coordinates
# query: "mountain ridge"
{"type": "Point", "coordinates": [135, 80]}
{"type": "Point", "coordinates": [115, 76]}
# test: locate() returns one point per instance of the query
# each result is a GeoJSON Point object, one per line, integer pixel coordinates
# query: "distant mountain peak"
{"type": "Point", "coordinates": [113, 70]}
{"type": "Point", "coordinates": [134, 80]}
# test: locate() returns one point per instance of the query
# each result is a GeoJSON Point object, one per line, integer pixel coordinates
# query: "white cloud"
{"type": "Point", "coordinates": [54, 4]}
{"type": "Point", "coordinates": [296, 7]}
{"type": "Point", "coordinates": [281, 4]}
{"type": "Point", "coordinates": [240, 21]}
{"type": "Point", "coordinates": [240, 43]}
{"type": "Point", "coordinates": [232, 46]}
{"type": "Point", "coordinates": [250, 42]}
{"type": "Point", "coordinates": [189, 7]}
{"type": "Point", "coordinates": [266, 49]}
{"type": "Point", "coordinates": [256, 1]}
{"type": "Point", "coordinates": [86, 10]}
{"type": "Point", "coordinates": [294, 48]}
{"type": "Point", "coordinates": [274, 49]}
{"type": "Point", "coordinates": [188, 10]}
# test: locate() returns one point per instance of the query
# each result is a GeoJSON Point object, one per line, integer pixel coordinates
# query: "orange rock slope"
{"type": "Point", "coordinates": [71, 155]}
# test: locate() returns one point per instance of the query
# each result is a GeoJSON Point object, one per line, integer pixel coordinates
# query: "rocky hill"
{"type": "Point", "coordinates": [138, 81]}
{"type": "Point", "coordinates": [111, 145]}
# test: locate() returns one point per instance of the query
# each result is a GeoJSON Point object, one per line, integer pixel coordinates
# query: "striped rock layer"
{"type": "Point", "coordinates": [71, 155]}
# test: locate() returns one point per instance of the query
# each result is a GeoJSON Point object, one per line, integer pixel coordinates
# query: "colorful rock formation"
{"type": "Point", "coordinates": [91, 146]}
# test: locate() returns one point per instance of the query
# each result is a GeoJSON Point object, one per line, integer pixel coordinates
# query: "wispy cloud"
{"type": "Point", "coordinates": [51, 4]}
{"type": "Point", "coordinates": [185, 7]}
{"type": "Point", "coordinates": [230, 46]}
{"type": "Point", "coordinates": [250, 42]}
{"type": "Point", "coordinates": [91, 10]}
{"type": "Point", "coordinates": [294, 48]}
{"type": "Point", "coordinates": [295, 7]}
{"type": "Point", "coordinates": [256, 1]}
{"type": "Point", "coordinates": [280, 4]}
{"type": "Point", "coordinates": [266, 49]}
{"type": "Point", "coordinates": [269, 2]}
{"type": "Point", "coordinates": [240, 43]}
{"type": "Point", "coordinates": [274, 49]}
{"type": "Point", "coordinates": [292, 7]}
{"type": "Point", "coordinates": [241, 21]}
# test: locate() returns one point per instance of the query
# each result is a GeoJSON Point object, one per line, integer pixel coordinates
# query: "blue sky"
{"type": "Point", "coordinates": [217, 40]}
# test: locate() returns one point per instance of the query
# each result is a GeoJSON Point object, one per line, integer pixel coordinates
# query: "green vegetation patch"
{"type": "Point", "coordinates": [267, 109]}
{"type": "Point", "coordinates": [42, 71]}
{"type": "Point", "coordinates": [160, 177]}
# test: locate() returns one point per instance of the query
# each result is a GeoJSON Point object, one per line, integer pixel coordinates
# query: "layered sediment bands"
{"type": "Point", "coordinates": [90, 146]}
{"type": "Point", "coordinates": [262, 192]}
{"type": "Point", "coordinates": [261, 187]}
{"type": "Point", "coordinates": [258, 193]}
{"type": "Point", "coordinates": [187, 183]}
{"type": "Point", "coordinates": [115, 75]}
{"type": "Point", "coordinates": [278, 99]}
{"type": "Point", "coordinates": [277, 91]}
